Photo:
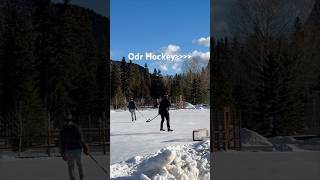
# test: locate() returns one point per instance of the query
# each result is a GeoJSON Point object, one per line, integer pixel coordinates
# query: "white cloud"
{"type": "Point", "coordinates": [111, 53]}
{"type": "Point", "coordinates": [203, 41]}
{"type": "Point", "coordinates": [172, 49]}
{"type": "Point", "coordinates": [176, 67]}
{"type": "Point", "coordinates": [163, 67]}
{"type": "Point", "coordinates": [202, 56]}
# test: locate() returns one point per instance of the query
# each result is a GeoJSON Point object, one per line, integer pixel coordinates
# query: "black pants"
{"type": "Point", "coordinates": [165, 115]}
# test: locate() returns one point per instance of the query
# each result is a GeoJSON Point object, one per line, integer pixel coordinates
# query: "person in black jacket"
{"type": "Point", "coordinates": [132, 109]}
{"type": "Point", "coordinates": [164, 112]}
{"type": "Point", "coordinates": [71, 146]}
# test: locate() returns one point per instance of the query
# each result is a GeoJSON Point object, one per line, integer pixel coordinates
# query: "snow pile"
{"type": "Point", "coordinates": [312, 144]}
{"type": "Point", "coordinates": [251, 138]}
{"type": "Point", "coordinates": [188, 106]}
{"type": "Point", "coordinates": [186, 162]}
{"type": "Point", "coordinates": [283, 140]}
{"type": "Point", "coordinates": [314, 141]}
{"type": "Point", "coordinates": [253, 141]}
{"type": "Point", "coordinates": [7, 157]}
{"type": "Point", "coordinates": [284, 143]}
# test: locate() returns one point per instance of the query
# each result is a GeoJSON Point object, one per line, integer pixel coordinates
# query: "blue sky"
{"type": "Point", "coordinates": [160, 26]}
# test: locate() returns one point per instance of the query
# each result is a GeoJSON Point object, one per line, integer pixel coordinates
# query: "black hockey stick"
{"type": "Point", "coordinates": [102, 168]}
{"type": "Point", "coordinates": [149, 120]}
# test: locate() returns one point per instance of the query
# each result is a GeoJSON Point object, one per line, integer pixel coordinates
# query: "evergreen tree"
{"type": "Point", "coordinates": [115, 79]}
{"type": "Point", "coordinates": [124, 76]}
{"type": "Point", "coordinates": [119, 99]}
{"type": "Point", "coordinates": [146, 84]}
{"type": "Point", "coordinates": [44, 54]}
{"type": "Point", "coordinates": [197, 91]}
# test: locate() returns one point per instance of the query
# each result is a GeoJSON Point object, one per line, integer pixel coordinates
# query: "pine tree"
{"type": "Point", "coordinates": [146, 84]}
{"type": "Point", "coordinates": [44, 53]}
{"type": "Point", "coordinates": [119, 99]}
{"type": "Point", "coordinates": [115, 80]}
{"type": "Point", "coordinates": [197, 91]}
{"type": "Point", "coordinates": [124, 77]}
{"type": "Point", "coordinates": [157, 85]}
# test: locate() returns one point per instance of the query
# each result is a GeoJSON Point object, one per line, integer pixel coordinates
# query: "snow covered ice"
{"type": "Point", "coordinates": [129, 139]}
{"type": "Point", "coordinates": [140, 151]}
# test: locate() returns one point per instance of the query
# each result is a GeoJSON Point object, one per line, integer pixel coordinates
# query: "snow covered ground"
{"type": "Point", "coordinates": [129, 139]}
{"type": "Point", "coordinates": [277, 158]}
{"type": "Point", "coordinates": [186, 162]}
{"type": "Point", "coordinates": [140, 152]}
{"type": "Point", "coordinates": [266, 165]}
{"type": "Point", "coordinates": [48, 168]}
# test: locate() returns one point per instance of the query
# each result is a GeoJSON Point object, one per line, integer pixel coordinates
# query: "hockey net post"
{"type": "Point", "coordinates": [200, 134]}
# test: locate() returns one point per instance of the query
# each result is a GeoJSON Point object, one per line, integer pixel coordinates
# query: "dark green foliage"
{"type": "Point", "coordinates": [267, 78]}
{"type": "Point", "coordinates": [21, 106]}
{"type": "Point", "coordinates": [52, 62]}
{"type": "Point", "coordinates": [145, 87]}
{"type": "Point", "coordinates": [124, 76]}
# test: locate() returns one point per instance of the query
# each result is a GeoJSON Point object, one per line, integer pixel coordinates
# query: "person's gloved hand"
{"type": "Point", "coordinates": [86, 150]}
{"type": "Point", "coordinates": [64, 157]}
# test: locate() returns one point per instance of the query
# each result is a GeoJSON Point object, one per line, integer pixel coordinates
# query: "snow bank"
{"type": "Point", "coordinates": [251, 138]}
{"type": "Point", "coordinates": [188, 106]}
{"type": "Point", "coordinates": [187, 162]}
{"type": "Point", "coordinates": [6, 157]}
{"type": "Point", "coordinates": [253, 141]}
{"type": "Point", "coordinates": [283, 140]}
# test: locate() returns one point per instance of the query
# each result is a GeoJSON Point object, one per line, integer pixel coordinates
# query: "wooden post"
{"type": "Point", "coordinates": [49, 134]}
{"type": "Point", "coordinates": [104, 132]}
{"type": "Point", "coordinates": [226, 124]}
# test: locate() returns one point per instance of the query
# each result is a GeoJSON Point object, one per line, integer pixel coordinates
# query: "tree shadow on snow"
{"type": "Point", "coordinates": [123, 122]}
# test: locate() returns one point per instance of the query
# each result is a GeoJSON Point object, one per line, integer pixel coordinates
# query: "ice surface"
{"type": "Point", "coordinates": [129, 139]}
{"type": "Point", "coordinates": [267, 165]}
{"type": "Point", "coordinates": [53, 168]}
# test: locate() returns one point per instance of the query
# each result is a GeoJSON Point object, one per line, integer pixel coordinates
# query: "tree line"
{"type": "Point", "coordinates": [52, 64]}
{"type": "Point", "coordinates": [129, 80]}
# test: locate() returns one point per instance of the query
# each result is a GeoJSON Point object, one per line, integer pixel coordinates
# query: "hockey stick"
{"type": "Point", "coordinates": [149, 120]}
{"type": "Point", "coordinates": [102, 168]}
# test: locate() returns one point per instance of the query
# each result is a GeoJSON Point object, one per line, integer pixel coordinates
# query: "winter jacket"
{"type": "Point", "coordinates": [164, 106]}
{"type": "Point", "coordinates": [132, 105]}
{"type": "Point", "coordinates": [71, 138]}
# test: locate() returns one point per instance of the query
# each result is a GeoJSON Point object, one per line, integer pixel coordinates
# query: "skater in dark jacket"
{"type": "Point", "coordinates": [164, 112]}
{"type": "Point", "coordinates": [71, 147]}
{"type": "Point", "coordinates": [132, 109]}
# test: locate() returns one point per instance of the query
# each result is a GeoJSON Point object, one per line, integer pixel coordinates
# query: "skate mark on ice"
{"type": "Point", "coordinates": [178, 140]}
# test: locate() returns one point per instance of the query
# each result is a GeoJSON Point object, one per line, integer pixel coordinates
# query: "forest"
{"type": "Point", "coordinates": [268, 68]}
{"type": "Point", "coordinates": [53, 63]}
{"type": "Point", "coordinates": [129, 80]}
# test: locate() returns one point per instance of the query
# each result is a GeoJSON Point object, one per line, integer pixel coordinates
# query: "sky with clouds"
{"type": "Point", "coordinates": [176, 27]}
